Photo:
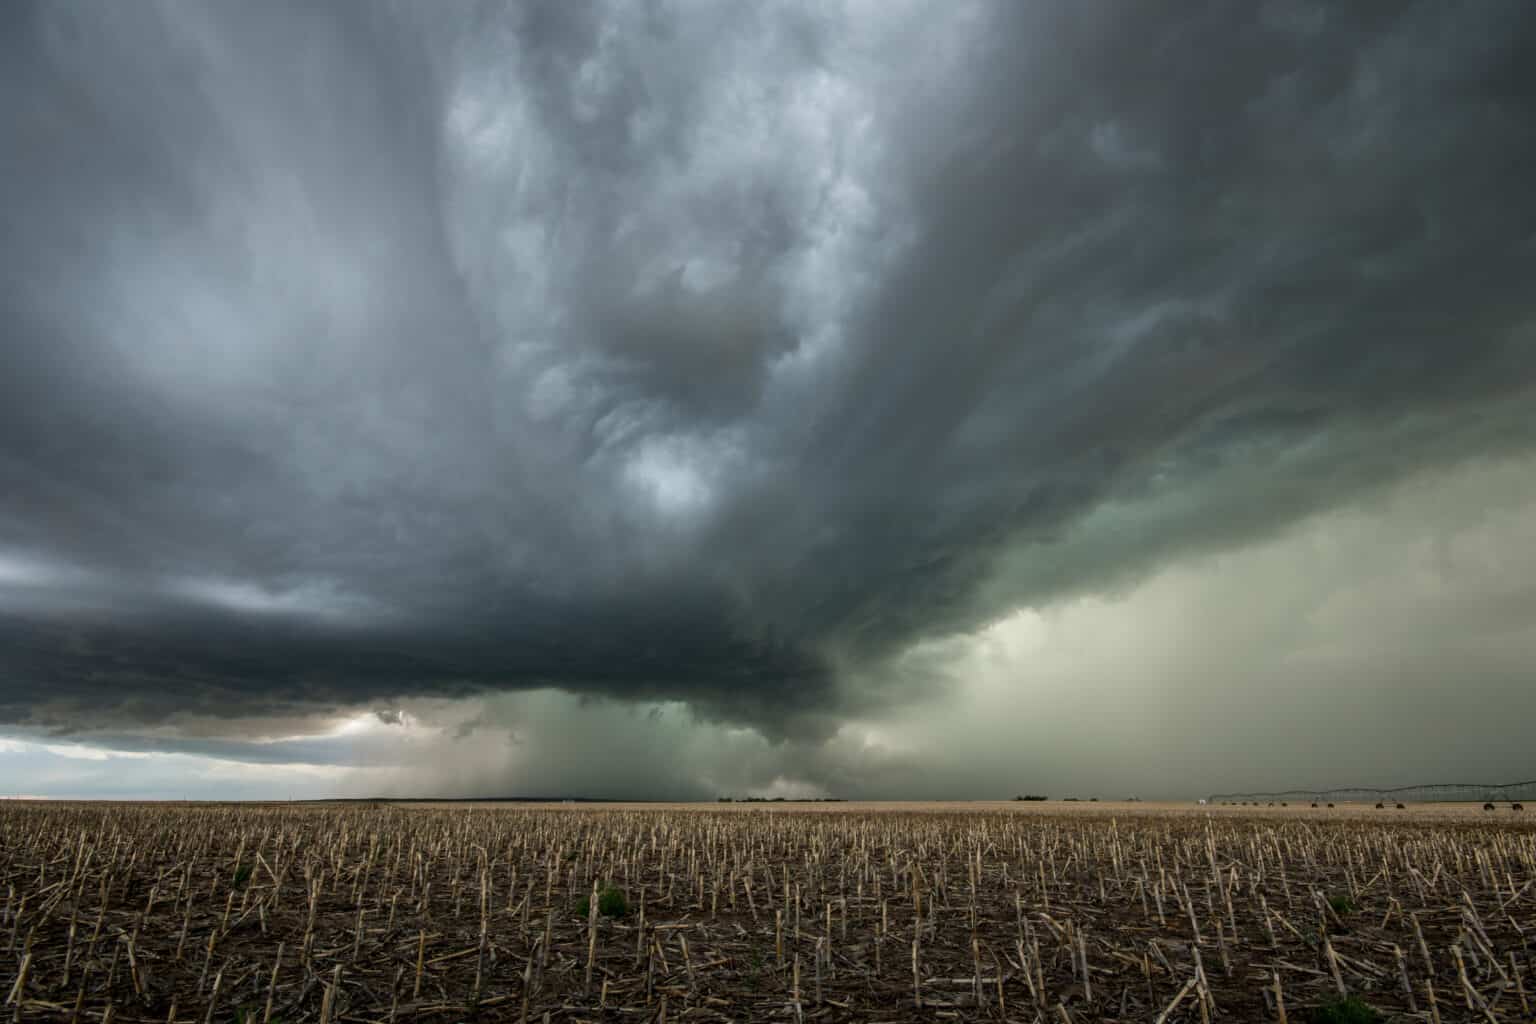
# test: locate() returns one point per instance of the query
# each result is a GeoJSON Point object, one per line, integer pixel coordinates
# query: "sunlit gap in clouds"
{"type": "Point", "coordinates": [78, 771]}
{"type": "Point", "coordinates": [355, 724]}
{"type": "Point", "coordinates": [315, 757]}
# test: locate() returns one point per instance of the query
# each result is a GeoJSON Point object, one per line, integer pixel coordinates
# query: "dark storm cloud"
{"type": "Point", "coordinates": [357, 351]}
{"type": "Point", "coordinates": [1152, 251]}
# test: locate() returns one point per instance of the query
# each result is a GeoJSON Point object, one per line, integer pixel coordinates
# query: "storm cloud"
{"type": "Point", "coordinates": [716, 358]}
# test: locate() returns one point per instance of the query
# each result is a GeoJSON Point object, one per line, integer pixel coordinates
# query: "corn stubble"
{"type": "Point", "coordinates": [331, 913]}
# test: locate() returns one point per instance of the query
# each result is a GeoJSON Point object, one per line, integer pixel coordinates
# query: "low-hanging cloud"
{"type": "Point", "coordinates": [1385, 642]}
{"type": "Point", "coordinates": [708, 357]}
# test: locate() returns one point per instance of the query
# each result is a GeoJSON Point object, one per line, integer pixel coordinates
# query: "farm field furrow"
{"type": "Point", "coordinates": [375, 912]}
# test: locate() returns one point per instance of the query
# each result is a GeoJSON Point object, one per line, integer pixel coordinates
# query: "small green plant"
{"type": "Point", "coordinates": [1341, 905]}
{"type": "Point", "coordinates": [242, 874]}
{"type": "Point", "coordinates": [1353, 1010]}
{"type": "Point", "coordinates": [610, 903]}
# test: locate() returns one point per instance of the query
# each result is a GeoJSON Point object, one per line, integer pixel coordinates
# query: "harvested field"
{"type": "Point", "coordinates": [1076, 913]}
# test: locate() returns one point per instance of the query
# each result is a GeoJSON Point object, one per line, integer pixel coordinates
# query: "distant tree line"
{"type": "Point", "coordinates": [779, 800]}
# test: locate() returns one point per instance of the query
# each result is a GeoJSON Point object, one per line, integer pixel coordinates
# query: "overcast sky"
{"type": "Point", "coordinates": [864, 398]}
